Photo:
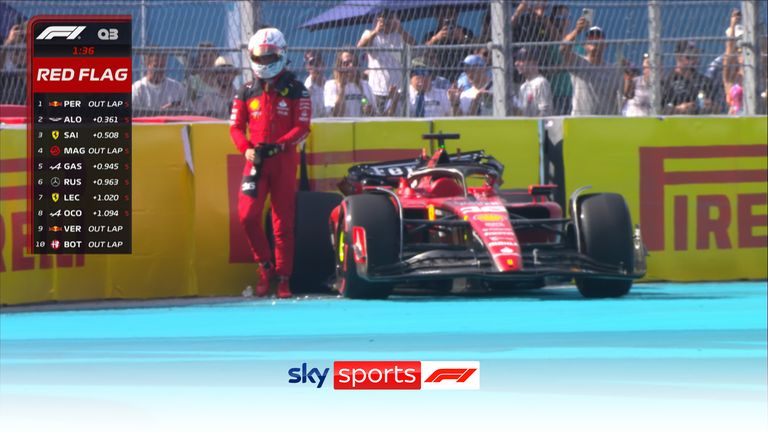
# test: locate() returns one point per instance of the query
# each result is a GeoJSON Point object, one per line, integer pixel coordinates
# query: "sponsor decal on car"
{"type": "Point", "coordinates": [489, 217]}
{"type": "Point", "coordinates": [483, 209]}
{"type": "Point", "coordinates": [502, 243]}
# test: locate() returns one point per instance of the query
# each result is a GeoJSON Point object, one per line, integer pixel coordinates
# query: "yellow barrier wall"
{"type": "Point", "coordinates": [187, 240]}
{"type": "Point", "coordinates": [697, 186]}
{"type": "Point", "coordinates": [223, 262]}
{"type": "Point", "coordinates": [514, 142]}
{"type": "Point", "coordinates": [160, 265]}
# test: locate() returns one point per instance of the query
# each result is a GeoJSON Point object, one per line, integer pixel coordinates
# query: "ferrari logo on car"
{"type": "Point", "coordinates": [254, 105]}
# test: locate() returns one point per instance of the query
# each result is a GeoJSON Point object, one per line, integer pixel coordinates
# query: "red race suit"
{"type": "Point", "coordinates": [274, 112]}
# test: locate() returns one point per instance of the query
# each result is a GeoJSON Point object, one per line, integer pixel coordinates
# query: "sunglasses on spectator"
{"type": "Point", "coordinates": [421, 72]}
{"type": "Point", "coordinates": [265, 59]}
{"type": "Point", "coordinates": [348, 63]}
{"type": "Point", "coordinates": [312, 62]}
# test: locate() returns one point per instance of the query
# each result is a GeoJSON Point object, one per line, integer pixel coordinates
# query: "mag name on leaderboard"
{"type": "Point", "coordinates": [80, 134]}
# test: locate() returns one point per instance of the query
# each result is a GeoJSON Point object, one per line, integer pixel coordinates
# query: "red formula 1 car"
{"type": "Point", "coordinates": [443, 223]}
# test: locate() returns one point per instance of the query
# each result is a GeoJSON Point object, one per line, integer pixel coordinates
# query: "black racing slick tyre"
{"type": "Point", "coordinates": [607, 237]}
{"type": "Point", "coordinates": [378, 216]}
{"type": "Point", "coordinates": [313, 258]}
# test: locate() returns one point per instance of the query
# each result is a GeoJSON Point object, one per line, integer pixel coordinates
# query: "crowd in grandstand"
{"type": "Point", "coordinates": [547, 77]}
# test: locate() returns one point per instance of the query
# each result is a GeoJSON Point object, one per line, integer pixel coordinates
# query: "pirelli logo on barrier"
{"type": "Point", "coordinates": [727, 207]}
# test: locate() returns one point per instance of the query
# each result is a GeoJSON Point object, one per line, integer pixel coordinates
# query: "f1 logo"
{"type": "Point", "coordinates": [450, 375]}
{"type": "Point", "coordinates": [458, 375]}
{"type": "Point", "coordinates": [69, 32]}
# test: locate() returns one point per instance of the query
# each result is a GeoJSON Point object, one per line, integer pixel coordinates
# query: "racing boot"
{"type": "Point", "coordinates": [266, 272]}
{"type": "Point", "coordinates": [284, 288]}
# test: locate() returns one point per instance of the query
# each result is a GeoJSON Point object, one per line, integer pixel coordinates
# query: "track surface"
{"type": "Point", "coordinates": [667, 357]}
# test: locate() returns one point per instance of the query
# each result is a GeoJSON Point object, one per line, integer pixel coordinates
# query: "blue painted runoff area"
{"type": "Point", "coordinates": [691, 354]}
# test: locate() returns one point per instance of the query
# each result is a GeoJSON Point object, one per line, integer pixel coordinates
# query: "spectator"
{"type": "Point", "coordinates": [448, 32]}
{"type": "Point", "coordinates": [637, 91]}
{"type": "Point", "coordinates": [463, 81]}
{"type": "Point", "coordinates": [596, 85]}
{"type": "Point", "coordinates": [315, 82]}
{"type": "Point", "coordinates": [215, 98]}
{"type": "Point", "coordinates": [682, 88]}
{"type": "Point", "coordinates": [530, 23]}
{"type": "Point", "coordinates": [535, 97]}
{"type": "Point", "coordinates": [733, 70]}
{"type": "Point", "coordinates": [201, 77]}
{"type": "Point", "coordinates": [12, 64]}
{"type": "Point", "coordinates": [714, 73]}
{"type": "Point", "coordinates": [478, 99]}
{"type": "Point", "coordinates": [155, 91]}
{"type": "Point", "coordinates": [424, 100]}
{"type": "Point", "coordinates": [558, 77]}
{"type": "Point", "coordinates": [347, 95]}
{"type": "Point", "coordinates": [385, 70]}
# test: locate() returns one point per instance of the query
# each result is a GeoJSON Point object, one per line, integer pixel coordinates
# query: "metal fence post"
{"type": "Point", "coordinates": [749, 9]}
{"type": "Point", "coordinates": [499, 24]}
{"type": "Point", "coordinates": [143, 24]}
{"type": "Point", "coordinates": [654, 53]}
{"type": "Point", "coordinates": [405, 99]}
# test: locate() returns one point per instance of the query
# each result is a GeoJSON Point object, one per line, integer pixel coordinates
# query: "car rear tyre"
{"type": "Point", "coordinates": [378, 216]}
{"type": "Point", "coordinates": [607, 237]}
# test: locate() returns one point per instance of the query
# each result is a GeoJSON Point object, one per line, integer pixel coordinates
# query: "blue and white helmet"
{"type": "Point", "coordinates": [266, 50]}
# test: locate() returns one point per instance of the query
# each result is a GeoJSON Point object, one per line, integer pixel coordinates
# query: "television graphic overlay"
{"type": "Point", "coordinates": [79, 134]}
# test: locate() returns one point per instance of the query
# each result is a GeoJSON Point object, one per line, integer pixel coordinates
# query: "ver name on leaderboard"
{"type": "Point", "coordinates": [80, 134]}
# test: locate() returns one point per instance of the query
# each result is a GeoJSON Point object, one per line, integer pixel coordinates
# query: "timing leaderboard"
{"type": "Point", "coordinates": [79, 134]}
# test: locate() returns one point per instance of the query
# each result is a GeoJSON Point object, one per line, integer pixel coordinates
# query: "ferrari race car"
{"type": "Point", "coordinates": [443, 222]}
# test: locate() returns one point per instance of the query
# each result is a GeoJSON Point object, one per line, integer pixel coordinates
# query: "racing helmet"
{"type": "Point", "coordinates": [266, 50]}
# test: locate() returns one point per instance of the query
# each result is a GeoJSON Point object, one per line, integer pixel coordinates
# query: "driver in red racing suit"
{"type": "Point", "coordinates": [275, 109]}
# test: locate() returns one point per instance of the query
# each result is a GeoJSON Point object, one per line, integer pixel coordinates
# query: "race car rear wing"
{"type": "Point", "coordinates": [389, 173]}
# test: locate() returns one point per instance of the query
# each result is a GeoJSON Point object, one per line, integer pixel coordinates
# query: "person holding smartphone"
{"type": "Point", "coordinates": [386, 40]}
{"type": "Point", "coordinates": [596, 85]}
{"type": "Point", "coordinates": [447, 62]}
{"type": "Point", "coordinates": [155, 92]}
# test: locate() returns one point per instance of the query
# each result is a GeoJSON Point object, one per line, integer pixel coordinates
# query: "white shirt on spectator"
{"type": "Point", "coordinates": [640, 105]}
{"type": "Point", "coordinates": [146, 95]}
{"type": "Point", "coordinates": [595, 88]}
{"type": "Point", "coordinates": [535, 98]}
{"type": "Point", "coordinates": [436, 102]}
{"type": "Point", "coordinates": [485, 105]}
{"type": "Point", "coordinates": [353, 107]}
{"type": "Point", "coordinates": [316, 95]}
{"type": "Point", "coordinates": [384, 68]}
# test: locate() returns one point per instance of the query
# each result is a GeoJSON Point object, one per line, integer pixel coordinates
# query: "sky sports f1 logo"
{"type": "Point", "coordinates": [392, 375]}
{"type": "Point", "coordinates": [69, 32]}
